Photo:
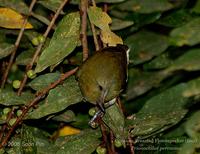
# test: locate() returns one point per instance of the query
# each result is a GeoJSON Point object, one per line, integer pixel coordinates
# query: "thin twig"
{"type": "Point", "coordinates": [112, 141]}
{"type": "Point", "coordinates": [38, 50]}
{"type": "Point", "coordinates": [121, 106]}
{"type": "Point", "coordinates": [94, 3]}
{"type": "Point", "coordinates": [94, 37]}
{"type": "Point", "coordinates": [130, 141]}
{"type": "Point", "coordinates": [94, 31]}
{"type": "Point", "coordinates": [43, 20]}
{"type": "Point", "coordinates": [34, 102]}
{"type": "Point", "coordinates": [105, 9]}
{"type": "Point", "coordinates": [83, 12]}
{"type": "Point", "coordinates": [3, 68]}
{"type": "Point", "coordinates": [12, 57]}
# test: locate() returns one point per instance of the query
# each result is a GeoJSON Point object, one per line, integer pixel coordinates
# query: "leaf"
{"type": "Point", "coordinates": [176, 18]}
{"type": "Point", "coordinates": [28, 143]}
{"type": "Point", "coordinates": [114, 119]}
{"type": "Point", "coordinates": [5, 49]}
{"type": "Point", "coordinates": [14, 149]}
{"type": "Point", "coordinates": [196, 8]}
{"type": "Point", "coordinates": [52, 5]}
{"type": "Point", "coordinates": [118, 24]}
{"type": "Point", "coordinates": [25, 57]}
{"type": "Point", "coordinates": [67, 116]}
{"type": "Point", "coordinates": [8, 98]}
{"type": "Point", "coordinates": [64, 41]}
{"type": "Point", "coordinates": [86, 142]}
{"type": "Point", "coordinates": [188, 34]}
{"type": "Point", "coordinates": [102, 21]}
{"type": "Point", "coordinates": [17, 5]}
{"type": "Point", "coordinates": [140, 82]}
{"type": "Point", "coordinates": [144, 48]}
{"type": "Point", "coordinates": [68, 130]}
{"type": "Point", "coordinates": [193, 88]}
{"type": "Point", "coordinates": [190, 147]}
{"type": "Point", "coordinates": [43, 81]}
{"type": "Point", "coordinates": [99, 18]}
{"type": "Point", "coordinates": [109, 1]}
{"type": "Point", "coordinates": [146, 6]}
{"type": "Point", "coordinates": [160, 62]}
{"type": "Point", "coordinates": [41, 139]}
{"type": "Point", "coordinates": [2, 121]}
{"type": "Point", "coordinates": [58, 99]}
{"type": "Point", "coordinates": [99, 1]}
{"type": "Point", "coordinates": [11, 19]}
{"type": "Point", "coordinates": [138, 19]}
{"type": "Point", "coordinates": [188, 61]}
{"type": "Point", "coordinates": [192, 126]}
{"type": "Point", "coordinates": [110, 38]}
{"type": "Point", "coordinates": [160, 112]}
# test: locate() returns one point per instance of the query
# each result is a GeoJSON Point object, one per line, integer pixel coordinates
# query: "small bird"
{"type": "Point", "coordinates": [102, 77]}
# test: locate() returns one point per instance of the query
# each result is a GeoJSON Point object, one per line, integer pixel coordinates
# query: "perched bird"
{"type": "Point", "coordinates": [102, 77]}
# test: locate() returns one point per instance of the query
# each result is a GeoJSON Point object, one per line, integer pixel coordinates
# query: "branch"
{"type": "Point", "coordinates": [112, 147]}
{"type": "Point", "coordinates": [94, 31]}
{"type": "Point", "coordinates": [38, 50]}
{"type": "Point", "coordinates": [42, 19]}
{"type": "Point", "coordinates": [84, 6]}
{"type": "Point", "coordinates": [12, 57]}
{"type": "Point", "coordinates": [34, 102]}
{"type": "Point", "coordinates": [131, 145]}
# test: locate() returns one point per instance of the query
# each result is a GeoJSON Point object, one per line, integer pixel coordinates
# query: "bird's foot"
{"type": "Point", "coordinates": [96, 119]}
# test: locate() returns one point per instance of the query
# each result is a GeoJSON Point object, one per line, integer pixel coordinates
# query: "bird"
{"type": "Point", "coordinates": [102, 77]}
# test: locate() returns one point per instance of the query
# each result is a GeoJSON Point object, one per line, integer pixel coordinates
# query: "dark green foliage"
{"type": "Point", "coordinates": [162, 93]}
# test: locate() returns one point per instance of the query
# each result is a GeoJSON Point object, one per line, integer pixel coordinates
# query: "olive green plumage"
{"type": "Point", "coordinates": [103, 75]}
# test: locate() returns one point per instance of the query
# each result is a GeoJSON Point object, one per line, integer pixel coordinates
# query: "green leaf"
{"type": "Point", "coordinates": [14, 149]}
{"type": "Point", "coordinates": [160, 62]}
{"type": "Point", "coordinates": [5, 49]}
{"type": "Point", "coordinates": [193, 88]}
{"type": "Point", "coordinates": [140, 82]}
{"type": "Point", "coordinates": [86, 142]}
{"type": "Point", "coordinates": [176, 18]}
{"type": "Point", "coordinates": [39, 137]}
{"type": "Point", "coordinates": [192, 126]}
{"type": "Point", "coordinates": [160, 112]}
{"type": "Point", "coordinates": [114, 119]}
{"type": "Point", "coordinates": [118, 24]}
{"type": "Point", "coordinates": [63, 42]}
{"type": "Point", "coordinates": [138, 19]}
{"type": "Point", "coordinates": [102, 20]}
{"type": "Point", "coordinates": [28, 143]}
{"type": "Point", "coordinates": [188, 61]}
{"type": "Point", "coordinates": [190, 147]}
{"type": "Point", "coordinates": [98, 1]}
{"type": "Point", "coordinates": [25, 57]}
{"type": "Point", "coordinates": [196, 8]}
{"type": "Point", "coordinates": [43, 81]}
{"type": "Point", "coordinates": [17, 5]}
{"type": "Point", "coordinates": [146, 6]}
{"type": "Point", "coordinates": [144, 48]}
{"type": "Point", "coordinates": [99, 18]}
{"type": "Point", "coordinates": [67, 116]}
{"type": "Point", "coordinates": [52, 5]}
{"type": "Point", "coordinates": [188, 34]}
{"type": "Point", "coordinates": [8, 98]}
{"type": "Point", "coordinates": [58, 99]}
